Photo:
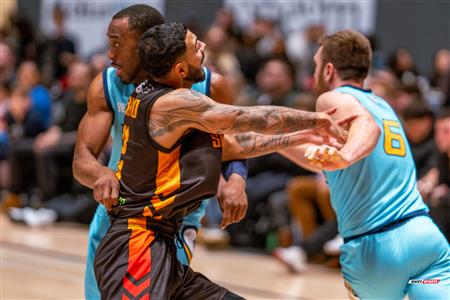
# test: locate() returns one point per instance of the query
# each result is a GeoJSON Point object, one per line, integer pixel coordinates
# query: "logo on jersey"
{"type": "Point", "coordinates": [121, 107]}
{"type": "Point", "coordinates": [132, 107]}
{"type": "Point", "coordinates": [216, 140]}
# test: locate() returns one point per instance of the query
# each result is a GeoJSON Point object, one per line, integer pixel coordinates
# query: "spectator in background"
{"type": "Point", "coordinates": [418, 121]}
{"type": "Point", "coordinates": [28, 79]}
{"type": "Point", "coordinates": [300, 48]}
{"type": "Point", "coordinates": [54, 148]}
{"type": "Point", "coordinates": [440, 196]}
{"type": "Point", "coordinates": [275, 85]}
{"type": "Point", "coordinates": [440, 79]}
{"type": "Point", "coordinates": [4, 138]}
{"type": "Point", "coordinates": [270, 42]}
{"type": "Point", "coordinates": [220, 59]}
{"type": "Point", "coordinates": [60, 50]}
{"type": "Point", "coordinates": [24, 124]}
{"type": "Point", "coordinates": [7, 65]}
{"type": "Point", "coordinates": [403, 66]}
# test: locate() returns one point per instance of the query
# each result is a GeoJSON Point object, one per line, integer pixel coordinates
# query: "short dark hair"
{"type": "Point", "coordinates": [350, 53]}
{"type": "Point", "coordinates": [160, 47]}
{"type": "Point", "coordinates": [444, 113]}
{"type": "Point", "coordinates": [140, 17]}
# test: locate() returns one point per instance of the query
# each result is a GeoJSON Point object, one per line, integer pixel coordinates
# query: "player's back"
{"type": "Point", "coordinates": [380, 188]}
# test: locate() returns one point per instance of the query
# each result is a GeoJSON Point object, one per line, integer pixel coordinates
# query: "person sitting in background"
{"type": "Point", "coordinates": [440, 195]}
{"type": "Point", "coordinates": [440, 79]}
{"type": "Point", "coordinates": [24, 124]}
{"type": "Point", "coordinates": [54, 148]}
{"type": "Point", "coordinates": [53, 151]}
{"type": "Point", "coordinates": [4, 138]}
{"type": "Point", "coordinates": [274, 85]}
{"type": "Point", "coordinates": [28, 79]}
{"type": "Point", "coordinates": [7, 65]}
{"type": "Point", "coordinates": [418, 121]}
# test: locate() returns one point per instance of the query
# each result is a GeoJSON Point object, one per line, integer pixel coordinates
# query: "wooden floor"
{"type": "Point", "coordinates": [48, 263]}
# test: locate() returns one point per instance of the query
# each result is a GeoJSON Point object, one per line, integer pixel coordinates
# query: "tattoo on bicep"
{"type": "Point", "coordinates": [197, 110]}
{"type": "Point", "coordinates": [252, 144]}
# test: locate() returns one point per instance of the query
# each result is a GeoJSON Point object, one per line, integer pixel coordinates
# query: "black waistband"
{"type": "Point", "coordinates": [389, 226]}
{"type": "Point", "coordinates": [166, 228]}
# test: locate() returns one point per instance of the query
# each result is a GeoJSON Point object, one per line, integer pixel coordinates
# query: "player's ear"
{"type": "Point", "coordinates": [181, 68]}
{"type": "Point", "coordinates": [328, 73]}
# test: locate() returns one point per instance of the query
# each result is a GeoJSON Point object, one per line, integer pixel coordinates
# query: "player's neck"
{"type": "Point", "coordinates": [141, 77]}
{"type": "Point", "coordinates": [337, 83]}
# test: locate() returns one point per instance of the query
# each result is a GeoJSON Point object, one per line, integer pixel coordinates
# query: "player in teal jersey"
{"type": "Point", "coordinates": [391, 246]}
{"type": "Point", "coordinates": [107, 99]}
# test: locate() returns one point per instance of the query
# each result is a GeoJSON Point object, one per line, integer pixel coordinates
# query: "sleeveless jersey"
{"type": "Point", "coordinates": [117, 94]}
{"type": "Point", "coordinates": [158, 182]}
{"type": "Point", "coordinates": [380, 188]}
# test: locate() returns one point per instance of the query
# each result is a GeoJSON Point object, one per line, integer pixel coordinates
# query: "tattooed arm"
{"type": "Point", "coordinates": [246, 145]}
{"type": "Point", "coordinates": [183, 109]}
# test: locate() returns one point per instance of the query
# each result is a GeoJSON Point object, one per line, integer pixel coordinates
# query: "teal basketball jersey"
{"type": "Point", "coordinates": [380, 188]}
{"type": "Point", "coordinates": [117, 94]}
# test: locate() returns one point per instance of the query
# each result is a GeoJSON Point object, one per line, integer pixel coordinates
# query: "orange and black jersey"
{"type": "Point", "coordinates": [157, 182]}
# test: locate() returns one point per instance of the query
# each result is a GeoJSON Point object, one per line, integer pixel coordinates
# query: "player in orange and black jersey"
{"type": "Point", "coordinates": [163, 177]}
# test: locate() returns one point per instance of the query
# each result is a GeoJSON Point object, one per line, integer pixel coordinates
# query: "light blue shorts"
{"type": "Point", "coordinates": [390, 264]}
{"type": "Point", "coordinates": [100, 225]}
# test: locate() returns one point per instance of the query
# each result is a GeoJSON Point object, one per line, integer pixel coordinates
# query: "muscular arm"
{"type": "Point", "coordinates": [363, 133]}
{"type": "Point", "coordinates": [93, 133]}
{"type": "Point", "coordinates": [246, 145]}
{"type": "Point", "coordinates": [182, 109]}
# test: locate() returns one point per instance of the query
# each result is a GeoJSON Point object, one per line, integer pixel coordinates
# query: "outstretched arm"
{"type": "Point", "coordinates": [362, 138]}
{"type": "Point", "coordinates": [86, 168]}
{"type": "Point", "coordinates": [183, 109]}
{"type": "Point", "coordinates": [246, 145]}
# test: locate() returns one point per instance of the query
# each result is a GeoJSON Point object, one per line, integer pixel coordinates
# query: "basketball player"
{"type": "Point", "coordinates": [107, 99]}
{"type": "Point", "coordinates": [162, 178]}
{"type": "Point", "coordinates": [391, 246]}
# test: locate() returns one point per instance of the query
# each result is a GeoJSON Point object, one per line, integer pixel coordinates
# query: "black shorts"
{"type": "Point", "coordinates": [134, 262]}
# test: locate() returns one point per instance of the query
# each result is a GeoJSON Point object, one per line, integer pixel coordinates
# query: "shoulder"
{"type": "Point", "coordinates": [219, 89]}
{"type": "Point", "coordinates": [336, 99]}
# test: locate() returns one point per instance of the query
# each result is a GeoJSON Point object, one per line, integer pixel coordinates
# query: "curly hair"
{"type": "Point", "coordinates": [160, 47]}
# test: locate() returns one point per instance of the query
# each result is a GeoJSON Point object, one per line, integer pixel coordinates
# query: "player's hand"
{"type": "Point", "coordinates": [233, 200]}
{"type": "Point", "coordinates": [326, 158]}
{"type": "Point", "coordinates": [106, 189]}
{"type": "Point", "coordinates": [335, 129]}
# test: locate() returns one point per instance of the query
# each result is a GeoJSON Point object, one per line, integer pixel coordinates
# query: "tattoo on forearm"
{"type": "Point", "coordinates": [201, 112]}
{"type": "Point", "coordinates": [252, 144]}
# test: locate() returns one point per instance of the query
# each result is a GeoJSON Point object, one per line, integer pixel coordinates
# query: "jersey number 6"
{"type": "Point", "coordinates": [394, 144]}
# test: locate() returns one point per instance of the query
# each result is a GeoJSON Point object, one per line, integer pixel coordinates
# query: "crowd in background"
{"type": "Point", "coordinates": [43, 88]}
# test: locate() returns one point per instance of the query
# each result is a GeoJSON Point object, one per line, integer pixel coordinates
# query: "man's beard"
{"type": "Point", "coordinates": [320, 86]}
{"type": "Point", "coordinates": [195, 75]}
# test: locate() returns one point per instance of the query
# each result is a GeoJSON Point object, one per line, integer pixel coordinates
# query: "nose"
{"type": "Point", "coordinates": [111, 54]}
{"type": "Point", "coordinates": [202, 46]}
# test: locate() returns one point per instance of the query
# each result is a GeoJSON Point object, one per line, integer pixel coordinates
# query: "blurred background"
{"type": "Point", "coordinates": [50, 50]}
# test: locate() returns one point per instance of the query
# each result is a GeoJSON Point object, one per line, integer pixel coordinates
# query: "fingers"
{"type": "Point", "coordinates": [233, 213]}
{"type": "Point", "coordinates": [226, 218]}
{"type": "Point", "coordinates": [321, 154]}
{"type": "Point", "coordinates": [107, 196]}
{"type": "Point", "coordinates": [115, 194]}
